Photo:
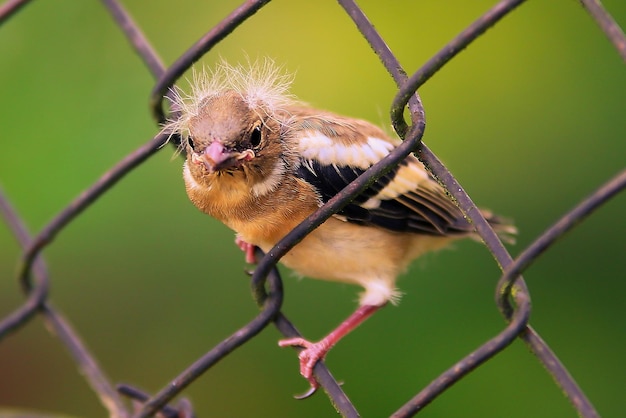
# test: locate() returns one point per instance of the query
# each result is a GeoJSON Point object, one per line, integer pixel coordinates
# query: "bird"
{"type": "Point", "coordinates": [261, 161]}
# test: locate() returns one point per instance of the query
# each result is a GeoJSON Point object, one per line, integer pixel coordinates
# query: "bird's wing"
{"type": "Point", "coordinates": [335, 150]}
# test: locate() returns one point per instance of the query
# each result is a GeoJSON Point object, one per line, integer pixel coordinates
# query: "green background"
{"type": "Point", "coordinates": [531, 118]}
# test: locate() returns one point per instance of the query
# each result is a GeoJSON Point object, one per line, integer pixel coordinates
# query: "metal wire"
{"type": "Point", "coordinates": [512, 295]}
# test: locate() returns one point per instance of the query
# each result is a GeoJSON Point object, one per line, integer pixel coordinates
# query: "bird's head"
{"type": "Point", "coordinates": [225, 135]}
{"type": "Point", "coordinates": [231, 142]}
{"type": "Point", "coordinates": [233, 127]}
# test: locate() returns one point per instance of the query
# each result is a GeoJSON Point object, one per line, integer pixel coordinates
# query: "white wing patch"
{"type": "Point", "coordinates": [380, 147]}
{"type": "Point", "coordinates": [408, 178]}
{"type": "Point", "coordinates": [314, 145]}
{"type": "Point", "coordinates": [371, 203]}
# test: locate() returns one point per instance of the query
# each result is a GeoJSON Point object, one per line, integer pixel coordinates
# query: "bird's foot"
{"type": "Point", "coordinates": [314, 352]}
{"type": "Point", "coordinates": [309, 356]}
{"type": "Point", "coordinates": [247, 248]}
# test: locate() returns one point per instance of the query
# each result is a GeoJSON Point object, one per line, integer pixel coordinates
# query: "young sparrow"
{"type": "Point", "coordinates": [260, 161]}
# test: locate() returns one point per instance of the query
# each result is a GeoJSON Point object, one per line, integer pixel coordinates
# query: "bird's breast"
{"type": "Point", "coordinates": [256, 218]}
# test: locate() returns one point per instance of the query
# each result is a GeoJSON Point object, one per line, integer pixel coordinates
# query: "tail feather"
{"type": "Point", "coordinates": [504, 227]}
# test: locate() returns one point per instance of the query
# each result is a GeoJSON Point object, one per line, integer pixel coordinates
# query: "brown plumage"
{"type": "Point", "coordinates": [261, 162]}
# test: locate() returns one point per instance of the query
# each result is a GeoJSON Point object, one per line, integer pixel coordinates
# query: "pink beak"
{"type": "Point", "coordinates": [216, 157]}
{"type": "Point", "coordinates": [215, 154]}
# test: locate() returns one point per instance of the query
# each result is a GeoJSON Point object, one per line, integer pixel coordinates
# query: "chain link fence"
{"type": "Point", "coordinates": [408, 119]}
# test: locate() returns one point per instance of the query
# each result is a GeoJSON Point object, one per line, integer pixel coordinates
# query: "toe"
{"type": "Point", "coordinates": [294, 342]}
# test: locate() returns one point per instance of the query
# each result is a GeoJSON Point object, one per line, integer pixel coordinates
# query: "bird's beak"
{"type": "Point", "coordinates": [216, 157]}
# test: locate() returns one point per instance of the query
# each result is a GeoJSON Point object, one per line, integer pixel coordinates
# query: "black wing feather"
{"type": "Point", "coordinates": [420, 211]}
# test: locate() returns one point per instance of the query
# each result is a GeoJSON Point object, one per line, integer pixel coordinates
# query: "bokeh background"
{"type": "Point", "coordinates": [531, 118]}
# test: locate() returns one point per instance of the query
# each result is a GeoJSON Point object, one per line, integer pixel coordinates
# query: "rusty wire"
{"type": "Point", "coordinates": [512, 295]}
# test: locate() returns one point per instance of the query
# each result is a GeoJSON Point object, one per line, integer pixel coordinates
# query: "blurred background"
{"type": "Point", "coordinates": [530, 118]}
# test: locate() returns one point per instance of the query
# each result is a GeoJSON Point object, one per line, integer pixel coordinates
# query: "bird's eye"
{"type": "Point", "coordinates": [255, 137]}
{"type": "Point", "coordinates": [191, 143]}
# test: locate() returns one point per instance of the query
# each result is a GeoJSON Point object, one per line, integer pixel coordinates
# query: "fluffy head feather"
{"type": "Point", "coordinates": [262, 85]}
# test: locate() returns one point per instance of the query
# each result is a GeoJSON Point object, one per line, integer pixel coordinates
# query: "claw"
{"type": "Point", "coordinates": [309, 356]}
{"type": "Point", "coordinates": [308, 393]}
{"type": "Point", "coordinates": [314, 352]}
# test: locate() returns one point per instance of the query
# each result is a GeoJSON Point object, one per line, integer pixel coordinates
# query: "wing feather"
{"type": "Point", "coordinates": [336, 150]}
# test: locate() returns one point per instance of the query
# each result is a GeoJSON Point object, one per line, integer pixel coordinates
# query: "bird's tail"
{"type": "Point", "coordinates": [503, 226]}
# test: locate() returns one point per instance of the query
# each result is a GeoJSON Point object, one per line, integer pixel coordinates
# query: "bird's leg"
{"type": "Point", "coordinates": [313, 352]}
{"type": "Point", "coordinates": [247, 248]}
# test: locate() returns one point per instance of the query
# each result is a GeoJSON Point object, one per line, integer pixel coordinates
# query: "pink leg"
{"type": "Point", "coordinates": [313, 352]}
{"type": "Point", "coordinates": [247, 248]}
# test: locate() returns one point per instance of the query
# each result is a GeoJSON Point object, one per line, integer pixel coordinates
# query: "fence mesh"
{"type": "Point", "coordinates": [408, 119]}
